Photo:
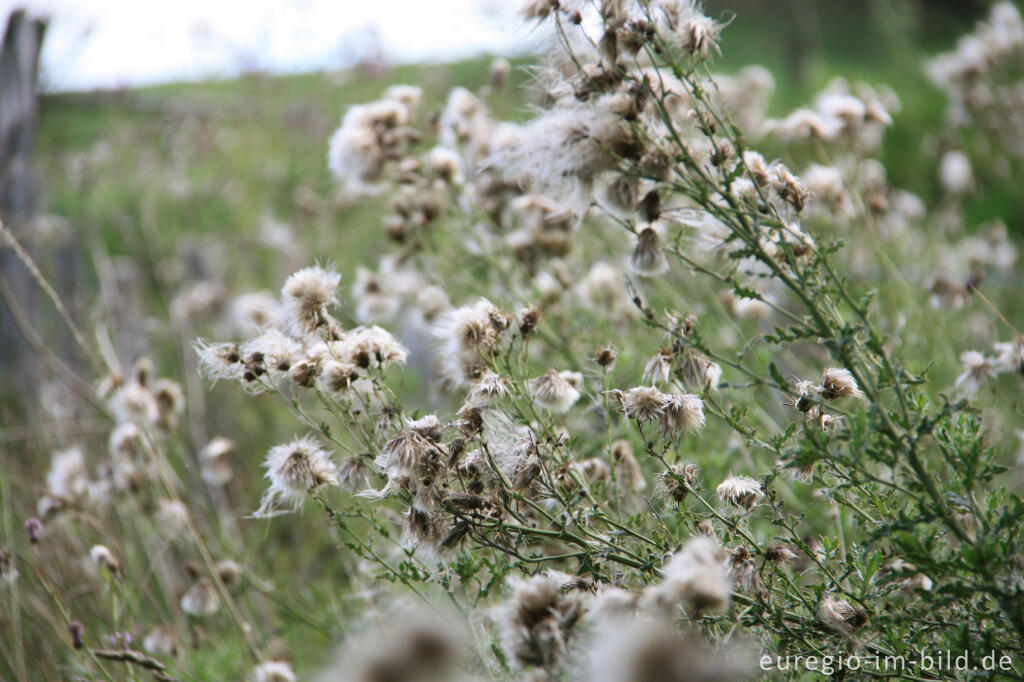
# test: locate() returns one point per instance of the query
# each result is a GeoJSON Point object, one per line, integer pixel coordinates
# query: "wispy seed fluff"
{"type": "Point", "coordinates": [201, 599]}
{"type": "Point", "coordinates": [840, 615]}
{"type": "Point", "coordinates": [648, 258]}
{"type": "Point", "coordinates": [741, 491]}
{"type": "Point", "coordinates": [697, 577]}
{"type": "Point", "coordinates": [643, 403]}
{"type": "Point", "coordinates": [104, 558]}
{"type": "Point", "coordinates": [682, 412]}
{"type": "Point", "coordinates": [556, 391]}
{"type": "Point", "coordinates": [537, 621]}
{"type": "Point", "coordinates": [469, 336]}
{"type": "Point", "coordinates": [273, 671]}
{"type": "Point", "coordinates": [295, 469]}
{"type": "Point", "coordinates": [628, 472]}
{"type": "Point", "coordinates": [838, 383]}
{"type": "Point", "coordinates": [307, 295]}
{"type": "Point", "coordinates": [368, 347]}
{"type": "Point", "coordinates": [66, 479]}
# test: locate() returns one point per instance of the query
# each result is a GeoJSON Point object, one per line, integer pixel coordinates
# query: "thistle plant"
{"type": "Point", "coordinates": [815, 491]}
{"type": "Point", "coordinates": [619, 402]}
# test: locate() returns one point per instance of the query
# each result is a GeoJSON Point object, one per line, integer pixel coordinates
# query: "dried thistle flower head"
{"type": "Point", "coordinates": [627, 469]}
{"type": "Point", "coordinates": [838, 383]}
{"type": "Point", "coordinates": [741, 491]}
{"type": "Point", "coordinates": [170, 402]}
{"type": "Point", "coordinates": [353, 474]}
{"type": "Point", "coordinates": [556, 391]}
{"type": "Point", "coordinates": [66, 479]}
{"type": "Point", "coordinates": [697, 576]}
{"type": "Point", "coordinates": [125, 441]}
{"type": "Point", "coordinates": [161, 641]}
{"type": "Point", "coordinates": [977, 369]}
{"type": "Point", "coordinates": [840, 615]}
{"type": "Point", "coordinates": [230, 573]}
{"type": "Point", "coordinates": [273, 671]}
{"type": "Point", "coordinates": [643, 403]}
{"type": "Point", "coordinates": [648, 258]}
{"type": "Point", "coordinates": [294, 469]}
{"type": "Point", "coordinates": [405, 645]}
{"type": "Point", "coordinates": [213, 458]}
{"type": "Point", "coordinates": [678, 480]}
{"type": "Point", "coordinates": [105, 559]}
{"type": "Point", "coordinates": [681, 412]}
{"type": "Point", "coordinates": [700, 372]}
{"type": "Point", "coordinates": [596, 469]}
{"type": "Point", "coordinates": [645, 649]}
{"type": "Point", "coordinates": [659, 368]}
{"type": "Point", "coordinates": [486, 389]}
{"type": "Point", "coordinates": [337, 377]}
{"type": "Point", "coordinates": [219, 360]}
{"type": "Point", "coordinates": [367, 347]}
{"type": "Point", "coordinates": [8, 569]}
{"type": "Point", "coordinates": [77, 631]}
{"type": "Point", "coordinates": [172, 517]}
{"type": "Point", "coordinates": [606, 355]}
{"type": "Point", "coordinates": [201, 599]}
{"type": "Point", "coordinates": [780, 553]}
{"type": "Point", "coordinates": [406, 459]}
{"type": "Point", "coordinates": [307, 295]}
{"type": "Point", "coordinates": [1009, 355]}
{"type": "Point", "coordinates": [537, 621]}
{"type": "Point", "coordinates": [744, 571]}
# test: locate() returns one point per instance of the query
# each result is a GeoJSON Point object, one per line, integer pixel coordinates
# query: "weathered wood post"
{"type": "Point", "coordinates": [19, 67]}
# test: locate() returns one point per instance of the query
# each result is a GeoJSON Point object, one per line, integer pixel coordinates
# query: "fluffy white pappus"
{"type": "Point", "coordinates": [125, 441]}
{"type": "Point", "coordinates": [307, 295]}
{"type": "Point", "coordinates": [380, 295]}
{"type": "Point", "coordinates": [219, 360]}
{"type": "Point", "coordinates": [646, 649]}
{"type": "Point", "coordinates": [134, 402]}
{"type": "Point", "coordinates": [172, 517]}
{"type": "Point", "coordinates": [201, 599]}
{"type": "Point", "coordinates": [537, 620]}
{"type": "Point", "coordinates": [806, 124]}
{"type": "Point", "coordinates": [370, 347]}
{"type": "Point", "coordinates": [826, 186]}
{"type": "Point", "coordinates": [468, 336]}
{"type": "Point", "coordinates": [277, 352]}
{"type": "Point", "coordinates": [556, 391]}
{"type": "Point", "coordinates": [838, 382]}
{"type": "Point", "coordinates": [294, 469]}
{"type": "Point", "coordinates": [977, 370]}
{"type": "Point", "coordinates": [602, 288]}
{"type": "Point", "coordinates": [648, 258]}
{"type": "Point", "coordinates": [66, 478]}
{"type": "Point", "coordinates": [681, 412]}
{"type": "Point", "coordinates": [273, 671]}
{"type": "Point", "coordinates": [955, 172]}
{"type": "Point", "coordinates": [446, 164]}
{"type": "Point", "coordinates": [697, 577]}
{"type": "Point", "coordinates": [642, 403]}
{"type": "Point", "coordinates": [564, 149]}
{"type": "Point", "coordinates": [740, 491]}
{"type": "Point", "coordinates": [256, 311]}
{"type": "Point", "coordinates": [466, 125]}
{"type": "Point", "coordinates": [1009, 355]}
{"type": "Point", "coordinates": [370, 135]}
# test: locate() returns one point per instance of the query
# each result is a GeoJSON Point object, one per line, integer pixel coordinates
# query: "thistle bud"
{"type": "Point", "coordinates": [34, 528]}
{"type": "Point", "coordinates": [77, 631]}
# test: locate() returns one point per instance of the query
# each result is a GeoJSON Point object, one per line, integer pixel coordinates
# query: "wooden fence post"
{"type": "Point", "coordinates": [19, 69]}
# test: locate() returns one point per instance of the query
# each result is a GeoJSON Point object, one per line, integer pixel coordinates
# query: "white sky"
{"type": "Point", "coordinates": [112, 43]}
